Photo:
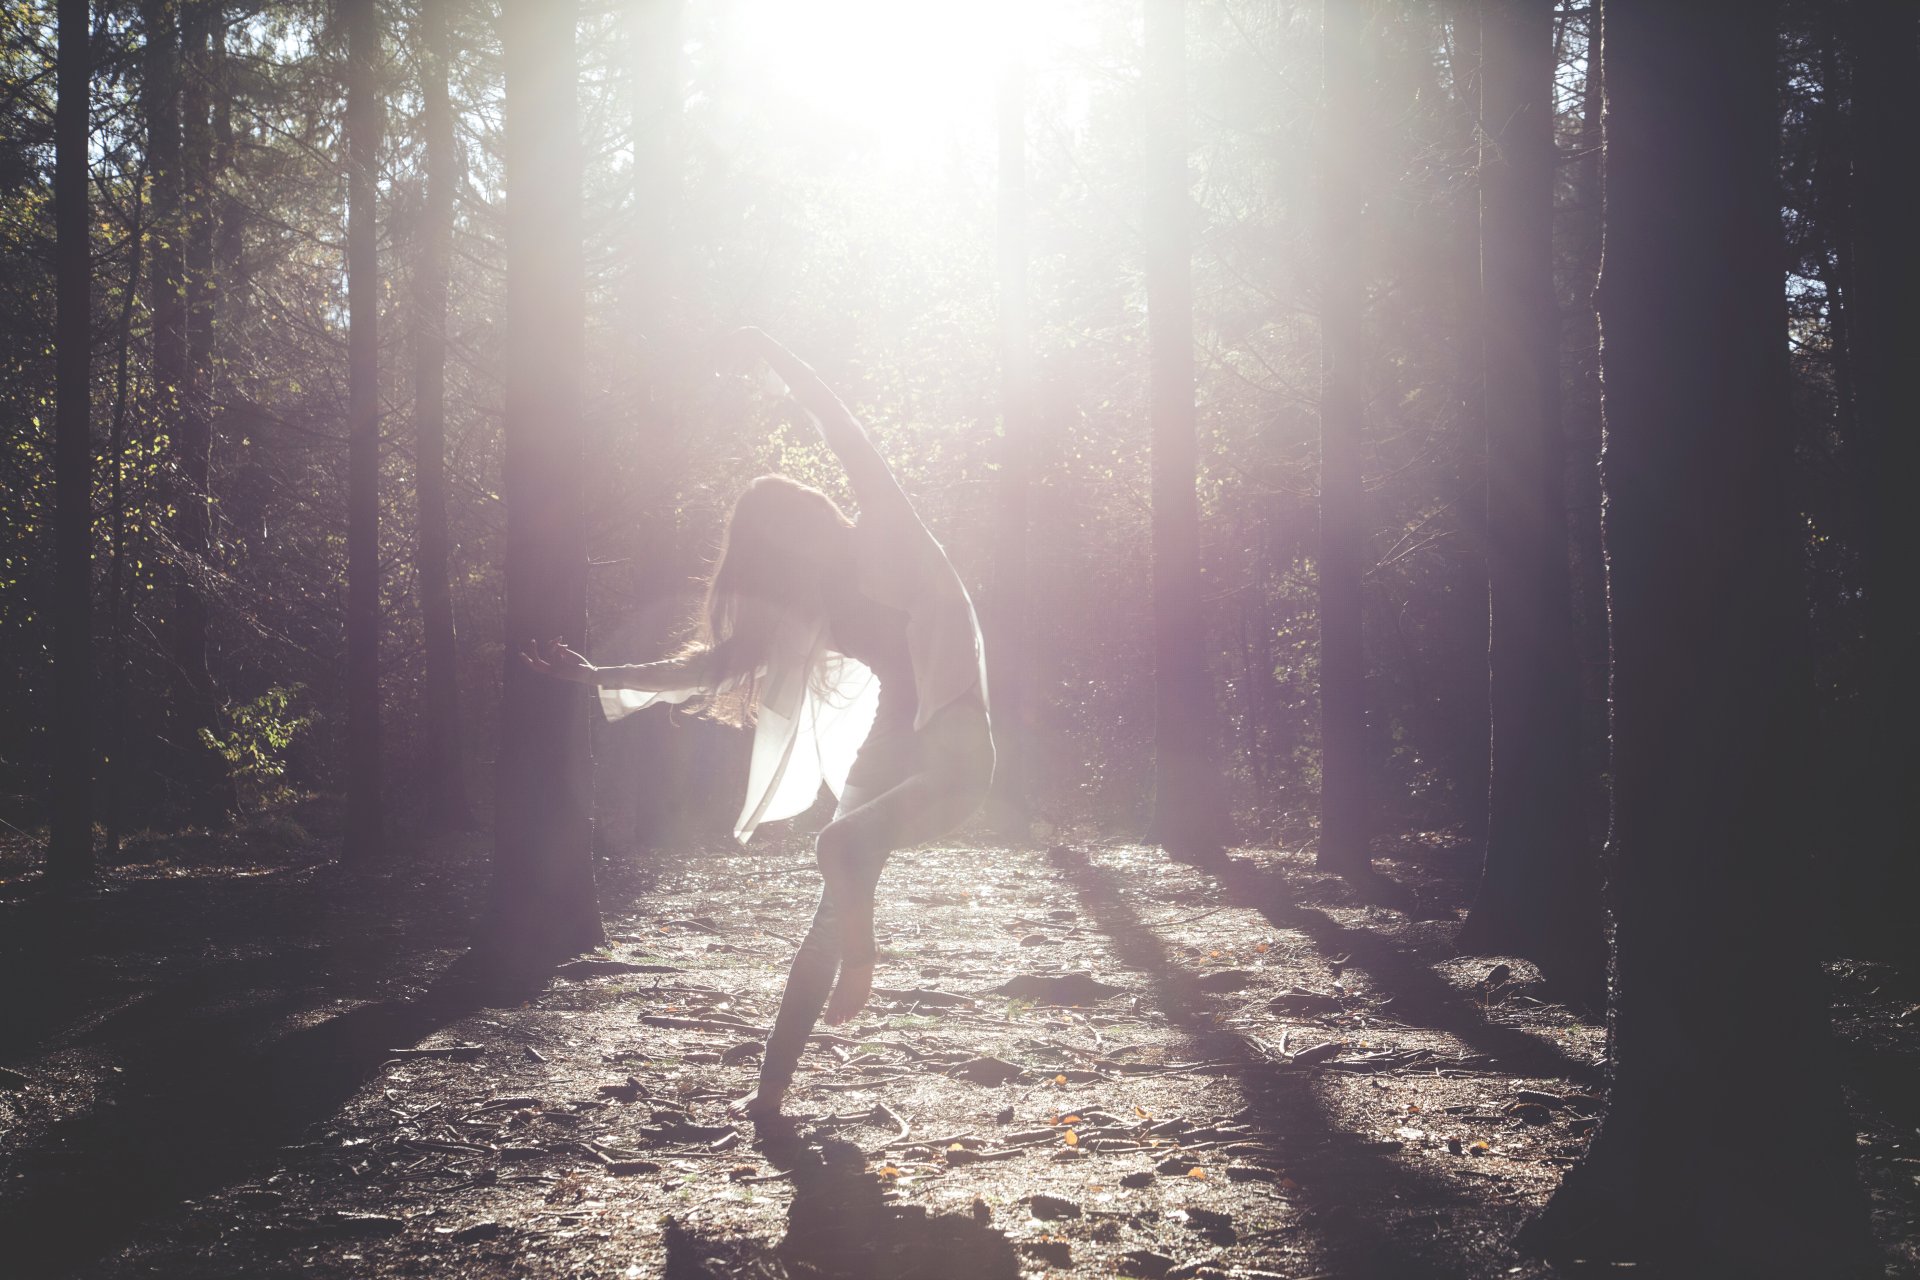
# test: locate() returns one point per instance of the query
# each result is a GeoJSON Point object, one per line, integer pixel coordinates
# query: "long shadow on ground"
{"type": "Point", "coordinates": [841, 1224]}
{"type": "Point", "coordinates": [200, 1111]}
{"type": "Point", "coordinates": [1419, 997]}
{"type": "Point", "coordinates": [209, 1065]}
{"type": "Point", "coordinates": [1351, 1193]}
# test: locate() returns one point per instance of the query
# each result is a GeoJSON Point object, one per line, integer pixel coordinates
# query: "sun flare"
{"type": "Point", "coordinates": [890, 73]}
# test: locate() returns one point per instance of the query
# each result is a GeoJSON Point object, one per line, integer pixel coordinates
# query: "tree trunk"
{"type": "Point", "coordinates": [211, 799]}
{"type": "Point", "coordinates": [543, 898]}
{"type": "Point", "coordinates": [70, 851]}
{"type": "Point", "coordinates": [1344, 819]}
{"type": "Point", "coordinates": [363, 825]}
{"type": "Point", "coordinates": [1189, 817]}
{"type": "Point", "coordinates": [1538, 894]}
{"type": "Point", "coordinates": [1886, 332]}
{"type": "Point", "coordinates": [1470, 600]}
{"type": "Point", "coordinates": [1582, 418]}
{"type": "Point", "coordinates": [1719, 1014]}
{"type": "Point", "coordinates": [447, 807]}
{"type": "Point", "coordinates": [114, 758]}
{"type": "Point", "coordinates": [1011, 648]}
{"type": "Point", "coordinates": [191, 709]}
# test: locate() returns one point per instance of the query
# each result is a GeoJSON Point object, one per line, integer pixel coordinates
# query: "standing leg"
{"type": "Point", "coordinates": [851, 851]}
{"type": "Point", "coordinates": [809, 979]}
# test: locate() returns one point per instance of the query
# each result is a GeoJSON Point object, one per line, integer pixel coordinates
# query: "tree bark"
{"type": "Point", "coordinates": [114, 757]}
{"type": "Point", "coordinates": [1345, 825]}
{"type": "Point", "coordinates": [1011, 649]}
{"type": "Point", "coordinates": [70, 850]}
{"type": "Point", "coordinates": [447, 806]}
{"type": "Point", "coordinates": [1886, 332]}
{"type": "Point", "coordinates": [542, 896]}
{"type": "Point", "coordinates": [212, 799]}
{"type": "Point", "coordinates": [363, 834]}
{"type": "Point", "coordinates": [1189, 817]}
{"type": "Point", "coordinates": [191, 708]}
{"type": "Point", "coordinates": [1582, 416]}
{"type": "Point", "coordinates": [1538, 894]}
{"type": "Point", "coordinates": [1470, 600]}
{"type": "Point", "coordinates": [1718, 1012]}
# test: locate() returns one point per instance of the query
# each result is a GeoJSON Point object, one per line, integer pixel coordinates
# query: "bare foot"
{"type": "Point", "coordinates": [762, 1104]}
{"type": "Point", "coordinates": [850, 992]}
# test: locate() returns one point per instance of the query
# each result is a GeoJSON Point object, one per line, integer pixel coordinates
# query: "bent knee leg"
{"type": "Point", "coordinates": [850, 858]}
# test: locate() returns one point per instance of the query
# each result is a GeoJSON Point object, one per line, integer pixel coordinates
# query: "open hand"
{"type": "Point", "coordinates": [558, 661]}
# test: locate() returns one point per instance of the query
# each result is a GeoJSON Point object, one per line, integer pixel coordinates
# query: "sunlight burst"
{"type": "Point", "coordinates": [894, 74]}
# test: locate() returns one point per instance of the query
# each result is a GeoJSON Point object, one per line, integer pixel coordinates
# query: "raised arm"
{"type": "Point", "coordinates": [873, 482]}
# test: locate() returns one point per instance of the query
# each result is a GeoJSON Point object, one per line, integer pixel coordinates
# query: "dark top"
{"type": "Point", "coordinates": [864, 629]}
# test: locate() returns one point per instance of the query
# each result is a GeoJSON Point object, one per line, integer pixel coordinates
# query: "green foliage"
{"type": "Point", "coordinates": [256, 740]}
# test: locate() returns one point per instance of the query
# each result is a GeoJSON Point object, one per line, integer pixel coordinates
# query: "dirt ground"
{"type": "Point", "coordinates": [237, 1059]}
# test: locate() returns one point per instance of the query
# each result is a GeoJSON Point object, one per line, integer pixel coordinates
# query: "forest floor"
{"type": "Point", "coordinates": [238, 1058]}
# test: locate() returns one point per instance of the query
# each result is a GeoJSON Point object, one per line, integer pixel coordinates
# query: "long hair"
{"type": "Point", "coordinates": [766, 585]}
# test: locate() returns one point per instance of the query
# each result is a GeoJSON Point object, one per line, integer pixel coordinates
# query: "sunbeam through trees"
{"type": "Point", "coordinates": [1184, 638]}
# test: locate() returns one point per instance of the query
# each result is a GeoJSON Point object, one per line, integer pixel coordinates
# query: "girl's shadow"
{"type": "Point", "coordinates": [843, 1223]}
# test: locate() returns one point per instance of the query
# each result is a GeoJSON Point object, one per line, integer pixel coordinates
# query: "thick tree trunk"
{"type": "Point", "coordinates": [1345, 825]}
{"type": "Point", "coordinates": [447, 807]}
{"type": "Point", "coordinates": [1538, 895]}
{"type": "Point", "coordinates": [1886, 333]}
{"type": "Point", "coordinates": [70, 851]}
{"type": "Point", "coordinates": [1189, 816]}
{"type": "Point", "coordinates": [1011, 649]}
{"type": "Point", "coordinates": [1713, 962]}
{"type": "Point", "coordinates": [543, 898]}
{"type": "Point", "coordinates": [1582, 418]}
{"type": "Point", "coordinates": [363, 834]}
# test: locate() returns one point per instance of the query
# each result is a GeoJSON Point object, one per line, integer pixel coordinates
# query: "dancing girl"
{"type": "Point", "coordinates": [854, 649]}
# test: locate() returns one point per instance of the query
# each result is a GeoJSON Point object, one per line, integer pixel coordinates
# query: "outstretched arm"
{"type": "Point", "coordinates": [873, 482]}
{"type": "Point", "coordinates": [671, 676]}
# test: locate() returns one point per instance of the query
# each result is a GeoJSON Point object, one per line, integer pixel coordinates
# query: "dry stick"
{"type": "Point", "coordinates": [888, 1113]}
{"type": "Point", "coordinates": [457, 1053]}
{"type": "Point", "coordinates": [1168, 924]}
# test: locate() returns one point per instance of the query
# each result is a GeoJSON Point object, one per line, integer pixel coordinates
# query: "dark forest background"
{"type": "Point", "coordinates": [222, 404]}
{"type": "Point", "coordinates": [1247, 358]}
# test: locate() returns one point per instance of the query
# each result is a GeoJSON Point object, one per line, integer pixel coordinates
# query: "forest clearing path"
{"type": "Point", "coordinates": [1090, 1060]}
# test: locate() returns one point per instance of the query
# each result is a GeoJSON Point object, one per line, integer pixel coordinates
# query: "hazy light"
{"type": "Point", "coordinates": [888, 73]}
